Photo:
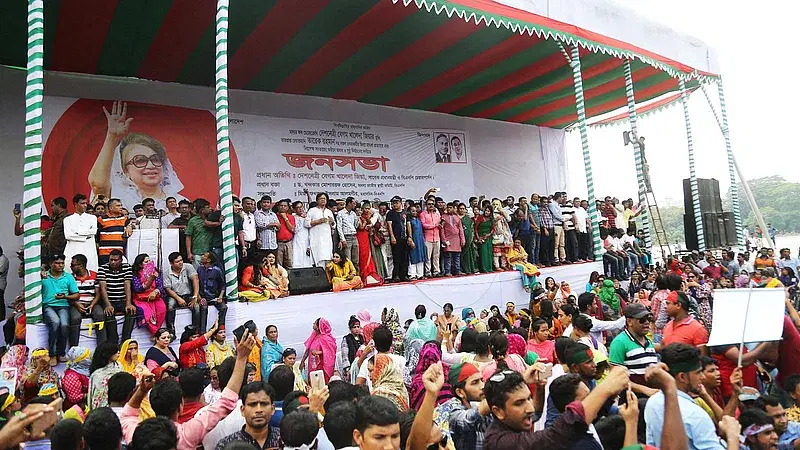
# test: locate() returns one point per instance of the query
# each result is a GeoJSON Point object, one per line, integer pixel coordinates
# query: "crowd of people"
{"type": "Point", "coordinates": [622, 365]}
{"type": "Point", "coordinates": [88, 273]}
{"type": "Point", "coordinates": [623, 362]}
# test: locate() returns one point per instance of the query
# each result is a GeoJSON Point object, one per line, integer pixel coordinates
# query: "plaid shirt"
{"type": "Point", "coordinates": [467, 427]}
{"type": "Point", "coordinates": [546, 218]}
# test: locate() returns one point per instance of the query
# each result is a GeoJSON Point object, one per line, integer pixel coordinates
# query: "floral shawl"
{"type": "Point", "coordinates": [387, 381]}
{"type": "Point", "coordinates": [98, 385]}
{"type": "Point", "coordinates": [392, 321]}
{"type": "Point", "coordinates": [15, 358]}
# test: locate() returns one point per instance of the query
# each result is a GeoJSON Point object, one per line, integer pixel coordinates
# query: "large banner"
{"type": "Point", "coordinates": [136, 150]}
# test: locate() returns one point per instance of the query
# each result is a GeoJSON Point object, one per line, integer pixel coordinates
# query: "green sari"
{"type": "Point", "coordinates": [485, 250]}
{"type": "Point", "coordinates": [469, 256]}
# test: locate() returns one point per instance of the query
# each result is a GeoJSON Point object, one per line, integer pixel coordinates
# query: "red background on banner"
{"type": "Point", "coordinates": [188, 135]}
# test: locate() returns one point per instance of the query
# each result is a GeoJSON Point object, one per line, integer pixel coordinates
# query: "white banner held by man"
{"type": "Point", "coordinates": [760, 322]}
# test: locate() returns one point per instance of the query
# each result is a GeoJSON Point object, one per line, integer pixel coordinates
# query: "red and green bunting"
{"type": "Point", "coordinates": [473, 58]}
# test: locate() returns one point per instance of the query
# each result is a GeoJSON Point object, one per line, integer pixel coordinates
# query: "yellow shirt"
{"type": "Point", "coordinates": [216, 353]}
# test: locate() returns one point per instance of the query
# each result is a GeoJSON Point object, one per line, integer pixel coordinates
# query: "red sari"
{"type": "Point", "coordinates": [366, 265]}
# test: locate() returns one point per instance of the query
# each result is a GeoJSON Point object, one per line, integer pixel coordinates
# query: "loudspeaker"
{"type": "Point", "coordinates": [729, 225]}
{"type": "Point", "coordinates": [308, 281]}
{"type": "Point", "coordinates": [709, 195]}
{"type": "Point", "coordinates": [719, 230]}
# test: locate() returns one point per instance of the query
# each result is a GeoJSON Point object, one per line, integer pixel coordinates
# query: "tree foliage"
{"type": "Point", "coordinates": [777, 199]}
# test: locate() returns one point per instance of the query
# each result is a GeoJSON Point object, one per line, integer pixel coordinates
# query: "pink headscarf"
{"type": "Point", "coordinates": [367, 325]}
{"type": "Point", "coordinates": [516, 345]}
{"type": "Point", "coordinates": [323, 340]}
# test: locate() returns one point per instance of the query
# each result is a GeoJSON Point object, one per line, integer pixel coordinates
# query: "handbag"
{"type": "Point", "coordinates": [377, 236]}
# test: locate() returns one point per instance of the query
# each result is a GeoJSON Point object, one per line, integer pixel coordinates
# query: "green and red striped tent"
{"type": "Point", "coordinates": [474, 58]}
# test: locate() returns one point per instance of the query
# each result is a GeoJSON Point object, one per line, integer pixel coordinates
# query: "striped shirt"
{"type": "Point", "coordinates": [111, 234]}
{"type": "Point", "coordinates": [566, 213]}
{"type": "Point", "coordinates": [115, 281]}
{"type": "Point", "coordinates": [86, 287]}
{"type": "Point", "coordinates": [626, 351]}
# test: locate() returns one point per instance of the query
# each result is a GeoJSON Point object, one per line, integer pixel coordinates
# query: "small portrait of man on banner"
{"type": "Point", "coordinates": [442, 147]}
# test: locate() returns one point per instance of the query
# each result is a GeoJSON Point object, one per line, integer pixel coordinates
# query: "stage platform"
{"type": "Point", "coordinates": [294, 315]}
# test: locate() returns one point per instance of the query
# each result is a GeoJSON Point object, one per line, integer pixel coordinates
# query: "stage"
{"type": "Point", "coordinates": [294, 315]}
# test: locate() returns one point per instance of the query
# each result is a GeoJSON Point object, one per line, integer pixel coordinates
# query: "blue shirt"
{"type": "Point", "coordinates": [792, 433]}
{"type": "Point", "coordinates": [699, 427]}
{"type": "Point", "coordinates": [534, 209]}
{"type": "Point", "coordinates": [65, 284]}
{"type": "Point", "coordinates": [212, 282]}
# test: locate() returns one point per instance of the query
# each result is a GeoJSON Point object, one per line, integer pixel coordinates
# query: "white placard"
{"type": "Point", "coordinates": [146, 241]}
{"type": "Point", "coordinates": [764, 316]}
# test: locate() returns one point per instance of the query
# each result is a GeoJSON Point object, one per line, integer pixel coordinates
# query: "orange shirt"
{"type": "Point", "coordinates": [687, 331]}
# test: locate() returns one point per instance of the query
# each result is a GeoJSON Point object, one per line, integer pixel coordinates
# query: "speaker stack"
{"type": "Point", "coordinates": [719, 229]}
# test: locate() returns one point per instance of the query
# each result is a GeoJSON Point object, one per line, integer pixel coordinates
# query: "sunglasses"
{"type": "Point", "coordinates": [498, 377]}
{"type": "Point", "coordinates": [140, 161]}
{"type": "Point", "coordinates": [645, 320]}
{"type": "Point", "coordinates": [441, 444]}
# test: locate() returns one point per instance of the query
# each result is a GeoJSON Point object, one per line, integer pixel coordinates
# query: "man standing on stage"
{"type": "Point", "coordinates": [267, 226]}
{"type": "Point", "coordinates": [346, 226]}
{"type": "Point", "coordinates": [398, 236]}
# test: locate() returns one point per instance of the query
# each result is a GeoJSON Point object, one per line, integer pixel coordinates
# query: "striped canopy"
{"type": "Point", "coordinates": [474, 58]}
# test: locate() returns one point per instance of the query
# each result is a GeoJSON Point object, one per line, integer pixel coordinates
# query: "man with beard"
{"type": "Point", "coordinates": [468, 423]}
{"type": "Point", "coordinates": [788, 432]}
{"type": "Point", "coordinates": [683, 361]}
{"type": "Point", "coordinates": [759, 430]}
{"type": "Point", "coordinates": [509, 398]}
{"type": "Point", "coordinates": [257, 409]}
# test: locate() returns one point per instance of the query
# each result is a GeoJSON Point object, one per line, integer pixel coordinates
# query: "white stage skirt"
{"type": "Point", "coordinates": [294, 315]}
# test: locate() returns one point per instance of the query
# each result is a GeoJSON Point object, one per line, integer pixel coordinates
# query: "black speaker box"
{"type": "Point", "coordinates": [308, 281]}
{"type": "Point", "coordinates": [709, 195]}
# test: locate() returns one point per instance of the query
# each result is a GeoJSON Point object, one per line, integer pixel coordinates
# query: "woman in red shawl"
{"type": "Point", "coordinates": [430, 353]}
{"type": "Point", "coordinates": [367, 325]}
{"type": "Point", "coordinates": [320, 349]}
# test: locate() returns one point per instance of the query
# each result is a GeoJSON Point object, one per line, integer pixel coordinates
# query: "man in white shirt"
{"type": "Point", "coordinates": [587, 305]}
{"type": "Point", "coordinates": [346, 227]}
{"type": "Point", "coordinates": [172, 214]}
{"type": "Point", "coordinates": [150, 219]}
{"type": "Point", "coordinates": [248, 224]}
{"type": "Point", "coordinates": [745, 265]}
{"type": "Point", "coordinates": [579, 218]}
{"type": "Point", "coordinates": [382, 337]}
{"type": "Point", "coordinates": [703, 263]}
{"type": "Point", "coordinates": [79, 230]}
{"type": "Point", "coordinates": [570, 233]}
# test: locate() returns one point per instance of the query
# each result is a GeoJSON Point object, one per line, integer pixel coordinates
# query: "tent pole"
{"type": "Point", "coordinates": [733, 167]}
{"type": "Point", "coordinates": [637, 152]}
{"type": "Point", "coordinates": [32, 197]}
{"type": "Point", "coordinates": [223, 151]}
{"type": "Point", "coordinates": [698, 215]}
{"type": "Point", "coordinates": [737, 215]}
{"type": "Point", "coordinates": [575, 63]}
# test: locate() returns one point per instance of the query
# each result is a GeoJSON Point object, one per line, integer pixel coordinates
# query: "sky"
{"type": "Point", "coordinates": [751, 40]}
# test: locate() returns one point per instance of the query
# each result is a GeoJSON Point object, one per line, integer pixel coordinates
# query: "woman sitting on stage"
{"type": "Point", "coordinates": [251, 288]}
{"type": "Point", "coordinates": [518, 259]}
{"type": "Point", "coordinates": [274, 278]}
{"type": "Point", "coordinates": [148, 293]}
{"type": "Point", "coordinates": [342, 274]}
